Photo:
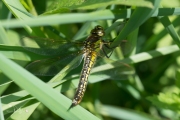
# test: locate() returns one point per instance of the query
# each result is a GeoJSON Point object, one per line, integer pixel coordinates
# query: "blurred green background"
{"type": "Point", "coordinates": [152, 93]}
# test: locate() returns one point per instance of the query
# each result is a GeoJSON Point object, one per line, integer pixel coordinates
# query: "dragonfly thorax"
{"type": "Point", "coordinates": [93, 41]}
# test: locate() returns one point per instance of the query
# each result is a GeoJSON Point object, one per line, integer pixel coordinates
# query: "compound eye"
{"type": "Point", "coordinates": [98, 27]}
{"type": "Point", "coordinates": [93, 32]}
{"type": "Point", "coordinates": [100, 33]}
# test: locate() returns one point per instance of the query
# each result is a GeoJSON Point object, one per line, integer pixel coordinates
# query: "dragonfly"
{"type": "Point", "coordinates": [90, 49]}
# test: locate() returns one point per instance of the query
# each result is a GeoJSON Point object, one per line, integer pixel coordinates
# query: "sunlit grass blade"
{"type": "Point", "coordinates": [3, 36]}
{"type": "Point", "coordinates": [124, 114]}
{"type": "Point", "coordinates": [170, 29]}
{"type": "Point", "coordinates": [63, 6]}
{"type": "Point", "coordinates": [141, 57]}
{"type": "Point", "coordinates": [14, 101]}
{"type": "Point", "coordinates": [49, 97]}
{"type": "Point", "coordinates": [1, 112]}
{"type": "Point", "coordinates": [21, 13]}
{"type": "Point", "coordinates": [81, 17]}
{"type": "Point", "coordinates": [25, 111]}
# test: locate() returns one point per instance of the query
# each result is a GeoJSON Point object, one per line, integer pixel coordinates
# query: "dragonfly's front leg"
{"type": "Point", "coordinates": [107, 45]}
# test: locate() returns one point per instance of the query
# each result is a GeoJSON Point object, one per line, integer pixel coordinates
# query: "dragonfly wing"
{"type": "Point", "coordinates": [52, 66]}
{"type": "Point", "coordinates": [107, 68]}
{"type": "Point", "coordinates": [126, 47]}
{"type": "Point", "coordinates": [46, 46]}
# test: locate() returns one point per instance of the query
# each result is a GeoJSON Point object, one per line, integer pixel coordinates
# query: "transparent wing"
{"type": "Point", "coordinates": [46, 46]}
{"type": "Point", "coordinates": [106, 68]}
{"type": "Point", "coordinates": [52, 66]}
{"type": "Point", "coordinates": [125, 47]}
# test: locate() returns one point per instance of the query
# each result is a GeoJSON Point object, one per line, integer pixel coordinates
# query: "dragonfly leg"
{"type": "Point", "coordinates": [108, 56]}
{"type": "Point", "coordinates": [106, 44]}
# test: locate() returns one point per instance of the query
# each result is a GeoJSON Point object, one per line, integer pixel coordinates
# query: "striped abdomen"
{"type": "Point", "coordinates": [88, 64]}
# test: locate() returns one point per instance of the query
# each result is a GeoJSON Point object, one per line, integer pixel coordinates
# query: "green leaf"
{"type": "Point", "coordinates": [125, 114]}
{"type": "Point", "coordinates": [83, 17]}
{"type": "Point", "coordinates": [63, 6]}
{"type": "Point", "coordinates": [1, 112]}
{"type": "Point", "coordinates": [140, 15]}
{"type": "Point", "coordinates": [44, 93]}
{"type": "Point", "coordinates": [170, 29]}
{"type": "Point", "coordinates": [93, 4]}
{"type": "Point", "coordinates": [170, 100]}
{"type": "Point", "coordinates": [24, 112]}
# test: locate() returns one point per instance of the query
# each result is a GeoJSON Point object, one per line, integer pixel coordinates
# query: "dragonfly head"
{"type": "Point", "coordinates": [98, 31]}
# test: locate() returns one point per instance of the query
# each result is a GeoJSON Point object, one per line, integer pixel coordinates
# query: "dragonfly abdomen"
{"type": "Point", "coordinates": [88, 64]}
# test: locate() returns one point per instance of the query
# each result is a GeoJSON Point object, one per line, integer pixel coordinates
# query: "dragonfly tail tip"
{"type": "Point", "coordinates": [72, 105]}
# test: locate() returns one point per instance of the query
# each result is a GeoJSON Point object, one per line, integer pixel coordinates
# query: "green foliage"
{"type": "Point", "coordinates": [152, 32]}
{"type": "Point", "coordinates": [61, 6]}
{"type": "Point", "coordinates": [169, 100]}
